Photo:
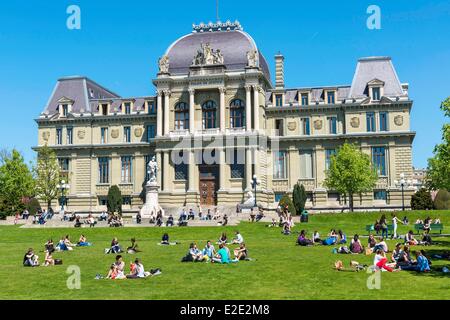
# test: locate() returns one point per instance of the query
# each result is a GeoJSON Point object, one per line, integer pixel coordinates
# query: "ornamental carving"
{"type": "Point", "coordinates": [252, 58]}
{"type": "Point", "coordinates": [45, 135]}
{"type": "Point", "coordinates": [163, 64]}
{"type": "Point", "coordinates": [318, 124]}
{"type": "Point", "coordinates": [138, 132]}
{"type": "Point", "coordinates": [292, 126]}
{"type": "Point", "coordinates": [354, 122]}
{"type": "Point", "coordinates": [81, 134]}
{"type": "Point", "coordinates": [207, 56]}
{"type": "Point", "coordinates": [114, 133]}
{"type": "Point", "coordinates": [398, 120]}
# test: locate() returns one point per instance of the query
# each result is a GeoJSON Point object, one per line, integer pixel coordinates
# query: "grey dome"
{"type": "Point", "coordinates": [233, 45]}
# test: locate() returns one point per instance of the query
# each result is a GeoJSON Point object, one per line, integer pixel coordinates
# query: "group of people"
{"type": "Point", "coordinates": [332, 238]}
{"type": "Point", "coordinates": [222, 255]}
{"type": "Point", "coordinates": [40, 217]}
{"type": "Point", "coordinates": [137, 270]}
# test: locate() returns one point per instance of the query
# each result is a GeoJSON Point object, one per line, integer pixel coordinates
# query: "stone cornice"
{"type": "Point", "coordinates": [95, 119]}
{"type": "Point", "coordinates": [359, 135]}
{"type": "Point", "coordinates": [99, 146]}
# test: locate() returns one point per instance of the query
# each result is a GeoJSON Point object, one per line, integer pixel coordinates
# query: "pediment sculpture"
{"type": "Point", "coordinates": [207, 56]}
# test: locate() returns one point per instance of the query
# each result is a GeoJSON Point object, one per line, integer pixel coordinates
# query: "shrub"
{"type": "Point", "coordinates": [299, 198]}
{"type": "Point", "coordinates": [421, 200]}
{"type": "Point", "coordinates": [286, 201]}
{"type": "Point", "coordinates": [114, 201]}
{"type": "Point", "coordinates": [3, 215]}
{"type": "Point", "coordinates": [33, 206]}
{"type": "Point", "coordinates": [442, 200]}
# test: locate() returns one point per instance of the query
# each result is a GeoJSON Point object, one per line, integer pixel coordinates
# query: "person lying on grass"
{"type": "Point", "coordinates": [421, 264]}
{"type": "Point", "coordinates": [355, 245]}
{"type": "Point", "coordinates": [302, 240]}
{"type": "Point", "coordinates": [238, 239]}
{"type": "Point", "coordinates": [380, 262]}
{"type": "Point", "coordinates": [30, 259]}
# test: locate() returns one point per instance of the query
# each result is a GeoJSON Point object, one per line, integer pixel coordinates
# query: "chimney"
{"type": "Point", "coordinates": [279, 71]}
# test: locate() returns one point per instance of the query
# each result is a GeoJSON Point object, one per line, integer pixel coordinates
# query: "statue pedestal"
{"type": "Point", "coordinates": [151, 206]}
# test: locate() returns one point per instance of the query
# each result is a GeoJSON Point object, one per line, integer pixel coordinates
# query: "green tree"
{"type": "Point", "coordinates": [438, 173]}
{"type": "Point", "coordinates": [442, 200]}
{"type": "Point", "coordinates": [16, 182]}
{"type": "Point", "coordinates": [114, 201]}
{"type": "Point", "coordinates": [286, 201]}
{"type": "Point", "coordinates": [350, 172]}
{"type": "Point", "coordinates": [421, 200]}
{"type": "Point", "coordinates": [47, 175]}
{"type": "Point", "coordinates": [299, 197]}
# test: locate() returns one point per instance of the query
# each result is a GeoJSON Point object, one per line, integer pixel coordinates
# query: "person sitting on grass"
{"type": "Point", "coordinates": [286, 229]}
{"type": "Point", "coordinates": [61, 246]}
{"type": "Point", "coordinates": [137, 270]}
{"type": "Point", "coordinates": [241, 252]}
{"type": "Point", "coordinates": [222, 255]}
{"type": "Point", "coordinates": [134, 247]}
{"type": "Point", "coordinates": [302, 240]}
{"type": "Point", "coordinates": [409, 239]}
{"type": "Point", "coordinates": [115, 247]}
{"type": "Point", "coordinates": [112, 273]}
{"type": "Point", "coordinates": [316, 237]}
{"type": "Point", "coordinates": [30, 259]}
{"type": "Point", "coordinates": [420, 265]}
{"type": "Point", "coordinates": [382, 245]}
{"type": "Point", "coordinates": [342, 237]}
{"type": "Point", "coordinates": [165, 239]}
{"type": "Point", "coordinates": [355, 245]}
{"type": "Point", "coordinates": [404, 258]}
{"type": "Point", "coordinates": [68, 242]}
{"type": "Point", "coordinates": [371, 242]}
{"type": "Point", "coordinates": [396, 253]}
{"type": "Point", "coordinates": [405, 220]}
{"type": "Point", "coordinates": [426, 239]}
{"type": "Point", "coordinates": [238, 239]}
{"type": "Point", "coordinates": [49, 245]}
{"type": "Point", "coordinates": [331, 239]}
{"type": "Point", "coordinates": [196, 254]}
{"type": "Point", "coordinates": [223, 238]}
{"type": "Point", "coordinates": [380, 262]}
{"type": "Point", "coordinates": [49, 261]}
{"type": "Point", "coordinates": [120, 267]}
{"type": "Point", "coordinates": [273, 224]}
{"type": "Point", "coordinates": [83, 242]}
{"type": "Point", "coordinates": [209, 250]}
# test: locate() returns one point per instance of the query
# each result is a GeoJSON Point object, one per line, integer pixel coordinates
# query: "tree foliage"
{"type": "Point", "coordinates": [438, 173]}
{"type": "Point", "coordinates": [286, 201]}
{"type": "Point", "coordinates": [299, 197]}
{"type": "Point", "coordinates": [47, 175]}
{"type": "Point", "coordinates": [442, 200]}
{"type": "Point", "coordinates": [350, 172]}
{"type": "Point", "coordinates": [114, 201]}
{"type": "Point", "coordinates": [421, 200]}
{"type": "Point", "coordinates": [16, 182]}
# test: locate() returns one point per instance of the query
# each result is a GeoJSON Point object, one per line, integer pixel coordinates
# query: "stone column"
{"type": "Point", "coordinates": [191, 111]}
{"type": "Point", "coordinates": [222, 165]}
{"type": "Point", "coordinates": [192, 177]}
{"type": "Point", "coordinates": [159, 162]}
{"type": "Point", "coordinates": [248, 168]}
{"type": "Point", "coordinates": [159, 115]}
{"type": "Point", "coordinates": [248, 108]}
{"type": "Point", "coordinates": [256, 106]}
{"type": "Point", "coordinates": [222, 91]}
{"type": "Point", "coordinates": [166, 171]}
{"type": "Point", "coordinates": [166, 111]}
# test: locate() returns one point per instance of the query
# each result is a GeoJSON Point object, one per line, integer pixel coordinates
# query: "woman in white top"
{"type": "Point", "coordinates": [394, 225]}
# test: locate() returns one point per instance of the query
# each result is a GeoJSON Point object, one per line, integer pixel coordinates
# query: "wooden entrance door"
{"type": "Point", "coordinates": [207, 191]}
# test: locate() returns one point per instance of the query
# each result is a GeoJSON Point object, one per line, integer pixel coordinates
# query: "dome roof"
{"type": "Point", "coordinates": [233, 44]}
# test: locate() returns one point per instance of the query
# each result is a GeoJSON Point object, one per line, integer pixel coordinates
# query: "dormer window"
{"type": "Point", "coordinates": [330, 97]}
{"type": "Point", "coordinates": [376, 93]}
{"type": "Point", "coordinates": [65, 110]}
{"type": "Point", "coordinates": [91, 93]}
{"type": "Point", "coordinates": [127, 108]}
{"type": "Point", "coordinates": [278, 100]}
{"type": "Point", "coordinates": [304, 99]}
{"type": "Point", "coordinates": [104, 109]}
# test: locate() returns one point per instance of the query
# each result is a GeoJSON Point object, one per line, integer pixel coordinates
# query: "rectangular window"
{"type": "Point", "coordinates": [306, 126]}
{"type": "Point", "coordinates": [151, 107]}
{"type": "Point", "coordinates": [305, 99]}
{"type": "Point", "coordinates": [328, 154]}
{"type": "Point", "coordinates": [237, 164]}
{"type": "Point", "coordinates": [65, 110]}
{"type": "Point", "coordinates": [58, 135]}
{"type": "Point", "coordinates": [330, 97]}
{"type": "Point", "coordinates": [332, 125]}
{"type": "Point", "coordinates": [379, 160]}
{"type": "Point", "coordinates": [376, 94]}
{"type": "Point", "coordinates": [103, 135]}
{"type": "Point", "coordinates": [126, 200]}
{"type": "Point", "coordinates": [64, 164]}
{"type": "Point", "coordinates": [279, 100]}
{"type": "Point", "coordinates": [126, 173]}
{"type": "Point", "coordinates": [306, 164]}
{"type": "Point", "coordinates": [370, 121]}
{"type": "Point", "coordinates": [126, 134]}
{"type": "Point", "coordinates": [383, 121]}
{"type": "Point", "coordinates": [380, 195]}
{"type": "Point", "coordinates": [104, 109]}
{"type": "Point", "coordinates": [127, 107]}
{"type": "Point", "coordinates": [69, 132]}
{"type": "Point", "coordinates": [103, 170]}
{"type": "Point", "coordinates": [279, 127]}
{"type": "Point", "coordinates": [150, 132]}
{"type": "Point", "coordinates": [279, 168]}
{"type": "Point", "coordinates": [103, 201]}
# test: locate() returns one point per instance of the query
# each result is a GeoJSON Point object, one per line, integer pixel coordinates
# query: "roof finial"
{"type": "Point", "coordinates": [217, 11]}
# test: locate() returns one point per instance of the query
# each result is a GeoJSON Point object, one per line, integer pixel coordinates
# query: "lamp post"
{"type": "Point", "coordinates": [63, 186]}
{"type": "Point", "coordinates": [403, 183]}
{"type": "Point", "coordinates": [255, 183]}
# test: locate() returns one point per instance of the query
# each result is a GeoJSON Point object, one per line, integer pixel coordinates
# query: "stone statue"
{"type": "Point", "coordinates": [163, 64]}
{"type": "Point", "coordinates": [218, 57]}
{"type": "Point", "coordinates": [152, 170]}
{"type": "Point", "coordinates": [207, 56]}
{"type": "Point", "coordinates": [252, 58]}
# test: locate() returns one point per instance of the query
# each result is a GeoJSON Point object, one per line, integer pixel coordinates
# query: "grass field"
{"type": "Point", "coordinates": [281, 270]}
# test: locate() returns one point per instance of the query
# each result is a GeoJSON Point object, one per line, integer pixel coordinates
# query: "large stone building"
{"type": "Point", "coordinates": [217, 109]}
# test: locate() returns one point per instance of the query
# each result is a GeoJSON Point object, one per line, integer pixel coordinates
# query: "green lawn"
{"type": "Point", "coordinates": [280, 270]}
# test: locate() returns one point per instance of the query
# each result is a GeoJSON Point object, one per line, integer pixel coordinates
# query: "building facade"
{"type": "Point", "coordinates": [217, 120]}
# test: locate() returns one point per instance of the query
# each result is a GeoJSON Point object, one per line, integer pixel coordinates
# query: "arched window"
{"type": "Point", "coordinates": [237, 113]}
{"type": "Point", "coordinates": [209, 114]}
{"type": "Point", "coordinates": [181, 116]}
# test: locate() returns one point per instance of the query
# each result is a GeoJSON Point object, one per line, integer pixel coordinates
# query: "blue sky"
{"type": "Point", "coordinates": [120, 41]}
